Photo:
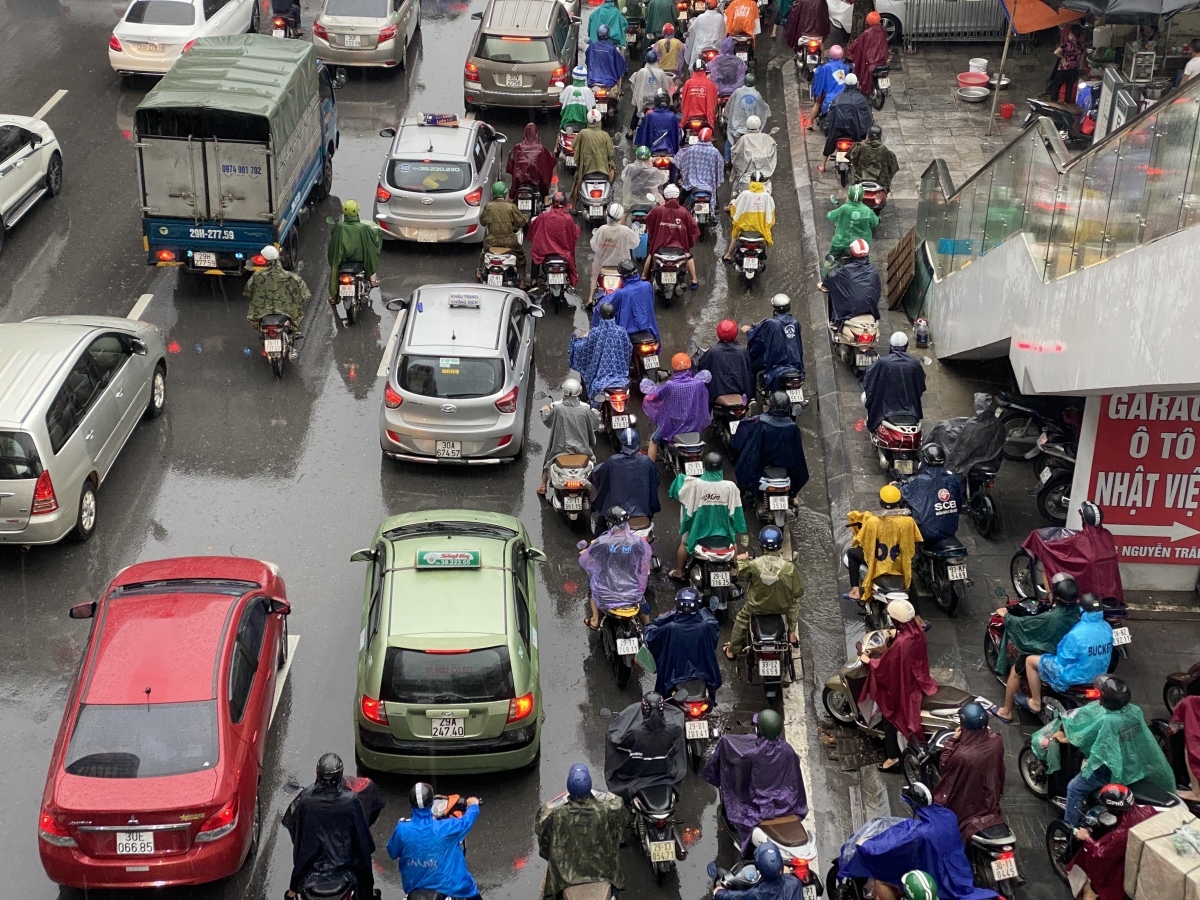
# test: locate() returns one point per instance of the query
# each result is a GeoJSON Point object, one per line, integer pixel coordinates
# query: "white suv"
{"type": "Point", "coordinates": [31, 167]}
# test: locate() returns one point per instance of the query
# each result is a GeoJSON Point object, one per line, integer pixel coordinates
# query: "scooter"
{"type": "Point", "coordinates": [896, 442]}
{"type": "Point", "coordinates": [499, 268]}
{"type": "Point", "coordinates": [692, 697]}
{"type": "Point", "coordinates": [884, 589]}
{"type": "Point", "coordinates": [942, 567]}
{"type": "Point", "coordinates": [768, 655]}
{"type": "Point", "coordinates": [728, 411]}
{"type": "Point", "coordinates": [556, 273]}
{"type": "Point", "coordinates": [654, 824]}
{"type": "Point", "coordinates": [1180, 685]}
{"type": "Point", "coordinates": [981, 508]}
{"type": "Point", "coordinates": [750, 255]}
{"type": "Point", "coordinates": [637, 221]}
{"type": "Point", "coordinates": [608, 281]}
{"type": "Point", "coordinates": [278, 335]}
{"type": "Point", "coordinates": [282, 27]}
{"type": "Point", "coordinates": [567, 487]}
{"type": "Point", "coordinates": [529, 200]}
{"type": "Point", "coordinates": [841, 158]}
{"type": "Point", "coordinates": [354, 289]}
{"type": "Point", "coordinates": [608, 99]}
{"type": "Point", "coordinates": [615, 415]}
{"type": "Point", "coordinates": [683, 456]}
{"type": "Point", "coordinates": [791, 382]}
{"type": "Point", "coordinates": [644, 360]}
{"type": "Point", "coordinates": [1024, 424]}
{"type": "Point", "coordinates": [643, 526]}
{"type": "Point", "coordinates": [1066, 117]}
{"type": "Point", "coordinates": [875, 195]}
{"type": "Point", "coordinates": [1056, 477]}
{"type": "Point", "coordinates": [700, 204]}
{"type": "Point", "coordinates": [710, 569]}
{"type": "Point", "coordinates": [881, 87]}
{"type": "Point", "coordinates": [594, 193]}
{"type": "Point", "coordinates": [855, 342]}
{"type": "Point", "coordinates": [564, 147]}
{"type": "Point", "coordinates": [343, 885]}
{"type": "Point", "coordinates": [669, 273]}
{"type": "Point", "coordinates": [808, 57]}
{"type": "Point", "coordinates": [774, 499]}
{"type": "Point", "coordinates": [621, 637]}
{"type": "Point", "coordinates": [1172, 740]}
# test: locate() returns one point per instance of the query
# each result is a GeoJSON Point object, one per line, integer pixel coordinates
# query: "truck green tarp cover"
{"type": "Point", "coordinates": [222, 81]}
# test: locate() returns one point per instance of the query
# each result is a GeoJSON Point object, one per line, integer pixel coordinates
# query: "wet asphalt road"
{"type": "Point", "coordinates": [291, 472]}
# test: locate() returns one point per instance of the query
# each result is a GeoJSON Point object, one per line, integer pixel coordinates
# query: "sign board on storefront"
{"type": "Point", "coordinates": [1146, 476]}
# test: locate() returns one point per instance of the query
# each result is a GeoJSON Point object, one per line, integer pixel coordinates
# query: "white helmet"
{"type": "Point", "coordinates": [269, 253]}
{"type": "Point", "coordinates": [781, 301]}
{"type": "Point", "coordinates": [571, 387]}
{"type": "Point", "coordinates": [616, 212]}
{"type": "Point", "coordinates": [753, 123]}
{"type": "Point", "coordinates": [671, 191]}
{"type": "Point", "coordinates": [899, 340]}
{"type": "Point", "coordinates": [594, 116]}
{"type": "Point", "coordinates": [851, 80]}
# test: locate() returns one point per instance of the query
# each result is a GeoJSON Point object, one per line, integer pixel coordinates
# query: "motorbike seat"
{"type": "Point", "coordinates": [947, 697]}
{"type": "Point", "coordinates": [688, 439]}
{"type": "Point", "coordinates": [501, 251]}
{"type": "Point", "coordinates": [692, 689]}
{"type": "Point", "coordinates": [995, 836]}
{"type": "Point", "coordinates": [594, 890]}
{"type": "Point", "coordinates": [275, 319]}
{"type": "Point", "coordinates": [766, 629]}
{"type": "Point", "coordinates": [624, 612]}
{"type": "Point", "coordinates": [333, 884]}
{"type": "Point", "coordinates": [750, 236]}
{"type": "Point", "coordinates": [985, 470]}
{"type": "Point", "coordinates": [774, 473]}
{"type": "Point", "coordinates": [554, 259]}
{"type": "Point", "coordinates": [658, 798]}
{"type": "Point", "coordinates": [715, 544]}
{"type": "Point", "coordinates": [571, 460]}
{"type": "Point", "coordinates": [1112, 603]}
{"type": "Point", "coordinates": [595, 178]}
{"type": "Point", "coordinates": [1073, 109]}
{"type": "Point", "coordinates": [572, 128]}
{"type": "Point", "coordinates": [728, 400]}
{"type": "Point", "coordinates": [947, 546]}
{"type": "Point", "coordinates": [869, 186]}
{"type": "Point", "coordinates": [671, 253]}
{"type": "Point", "coordinates": [901, 419]}
{"type": "Point", "coordinates": [351, 268]}
{"type": "Point", "coordinates": [638, 523]}
{"type": "Point", "coordinates": [786, 831]}
{"type": "Point", "coordinates": [1150, 794]}
{"type": "Point", "coordinates": [643, 337]}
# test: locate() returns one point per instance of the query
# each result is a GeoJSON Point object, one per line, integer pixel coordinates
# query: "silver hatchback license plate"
{"type": "Point", "coordinates": [448, 449]}
{"type": "Point", "coordinates": [956, 573]}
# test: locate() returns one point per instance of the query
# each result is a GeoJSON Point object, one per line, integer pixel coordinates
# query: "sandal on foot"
{"type": "Point", "coordinates": [1007, 720]}
{"type": "Point", "coordinates": [587, 620]}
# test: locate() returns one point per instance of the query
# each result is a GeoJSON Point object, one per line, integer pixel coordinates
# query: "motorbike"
{"type": "Point", "coordinates": [564, 147]}
{"type": "Point", "coordinates": [621, 637]}
{"type": "Point", "coordinates": [791, 382]}
{"type": "Point", "coordinates": [896, 442]}
{"type": "Point", "coordinates": [884, 589]}
{"type": "Point", "coordinates": [608, 99]}
{"type": "Point", "coordinates": [282, 27]}
{"type": "Point", "coordinates": [354, 290]}
{"type": "Point", "coordinates": [808, 58]}
{"type": "Point", "coordinates": [743, 48]}
{"type": "Point", "coordinates": [743, 875]}
{"type": "Point", "coordinates": [654, 824]}
{"type": "Point", "coordinates": [841, 158]}
{"type": "Point", "coordinates": [692, 126]}
{"type": "Point", "coordinates": [942, 567]}
{"type": "Point", "coordinates": [683, 455]}
{"type": "Point", "coordinates": [768, 655]}
{"type": "Point", "coordinates": [500, 268]}
{"type": "Point", "coordinates": [637, 221]}
{"type": "Point", "coordinates": [774, 497]}
{"type": "Point", "coordinates": [665, 161]}
{"type": "Point", "coordinates": [278, 336]}
{"type": "Point", "coordinates": [529, 200]}
{"type": "Point", "coordinates": [1066, 117]}
{"type": "Point", "coordinates": [1024, 424]}
{"type": "Point", "coordinates": [728, 411]}
{"type": "Point", "coordinates": [855, 342]}
{"type": "Point", "coordinates": [874, 195]}
{"type": "Point", "coordinates": [710, 570]}
{"type": "Point", "coordinates": [594, 194]}
{"type": "Point", "coordinates": [1180, 685]}
{"type": "Point", "coordinates": [567, 487]}
{"type": "Point", "coordinates": [615, 414]}
{"type": "Point", "coordinates": [699, 202]}
{"type": "Point", "coordinates": [1055, 478]}
{"type": "Point", "coordinates": [644, 360]}
{"type": "Point", "coordinates": [750, 255]}
{"type": "Point", "coordinates": [608, 281]}
{"type": "Point", "coordinates": [669, 273]}
{"type": "Point", "coordinates": [342, 885]}
{"type": "Point", "coordinates": [981, 508]}
{"type": "Point", "coordinates": [692, 697]}
{"type": "Point", "coordinates": [556, 273]}
{"type": "Point", "coordinates": [881, 87]}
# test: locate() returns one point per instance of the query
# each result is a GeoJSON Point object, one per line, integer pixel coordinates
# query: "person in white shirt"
{"type": "Point", "coordinates": [1192, 69]}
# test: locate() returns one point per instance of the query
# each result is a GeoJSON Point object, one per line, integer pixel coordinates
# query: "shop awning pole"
{"type": "Point", "coordinates": [1000, 76]}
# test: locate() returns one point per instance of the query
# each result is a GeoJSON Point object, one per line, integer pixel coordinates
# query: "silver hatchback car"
{"type": "Point", "coordinates": [436, 179]}
{"type": "Point", "coordinates": [458, 382]}
{"type": "Point", "coordinates": [72, 389]}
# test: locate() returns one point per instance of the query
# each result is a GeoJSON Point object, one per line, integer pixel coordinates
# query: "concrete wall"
{"type": "Point", "coordinates": [1128, 324]}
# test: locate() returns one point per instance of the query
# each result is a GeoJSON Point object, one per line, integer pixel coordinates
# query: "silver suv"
{"type": "Point", "coordinates": [458, 383]}
{"type": "Point", "coordinates": [72, 388]}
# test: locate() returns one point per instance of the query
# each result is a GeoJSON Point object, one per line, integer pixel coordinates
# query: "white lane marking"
{"type": "Point", "coordinates": [49, 104]}
{"type": "Point", "coordinates": [140, 306]}
{"type": "Point", "coordinates": [391, 346]}
{"type": "Point", "coordinates": [281, 678]}
{"type": "Point", "coordinates": [795, 729]}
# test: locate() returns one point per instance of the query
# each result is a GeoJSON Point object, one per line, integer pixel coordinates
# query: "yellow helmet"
{"type": "Point", "coordinates": [350, 208]}
{"type": "Point", "coordinates": [889, 495]}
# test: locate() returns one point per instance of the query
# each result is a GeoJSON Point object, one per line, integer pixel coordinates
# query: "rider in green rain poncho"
{"type": "Point", "coordinates": [609, 15]}
{"type": "Point", "coordinates": [353, 241]}
{"type": "Point", "coordinates": [658, 14]}
{"type": "Point", "coordinates": [852, 220]}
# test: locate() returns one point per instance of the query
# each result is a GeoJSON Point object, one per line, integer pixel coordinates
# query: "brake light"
{"type": "Point", "coordinates": [1091, 694]}
{"type": "Point", "coordinates": [44, 501]}
{"type": "Point", "coordinates": [617, 401]}
{"type": "Point", "coordinates": [319, 30]}
{"type": "Point", "coordinates": [662, 162]}
{"type": "Point", "coordinates": [648, 348]}
{"type": "Point", "coordinates": [386, 34]}
{"type": "Point", "coordinates": [471, 72]}
{"type": "Point", "coordinates": [866, 338]}
{"type": "Point", "coordinates": [54, 832]}
{"type": "Point", "coordinates": [258, 260]}
{"type": "Point", "coordinates": [844, 144]}
{"type": "Point", "coordinates": [346, 279]}
{"type": "Point", "coordinates": [559, 76]}
{"type": "Point", "coordinates": [373, 711]}
{"type": "Point", "coordinates": [574, 485]}
{"type": "Point", "coordinates": [508, 403]}
{"type": "Point", "coordinates": [165, 255]}
{"type": "Point", "coordinates": [382, 194]}
{"type": "Point", "coordinates": [814, 46]}
{"type": "Point", "coordinates": [391, 399]}
{"type": "Point", "coordinates": [519, 708]}
{"type": "Point", "coordinates": [695, 708]}
{"type": "Point", "coordinates": [188, 46]}
{"type": "Point", "coordinates": [223, 821]}
{"type": "Point", "coordinates": [681, 5]}
{"type": "Point", "coordinates": [277, 22]}
{"type": "Point", "coordinates": [800, 867]}
{"type": "Point", "coordinates": [474, 197]}
{"type": "Point", "coordinates": [272, 331]}
{"type": "Point", "coordinates": [114, 44]}
{"type": "Point", "coordinates": [600, 93]}
{"type": "Point", "coordinates": [660, 824]}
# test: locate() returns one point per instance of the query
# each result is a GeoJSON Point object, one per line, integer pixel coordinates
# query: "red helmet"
{"type": "Point", "coordinates": [706, 134]}
{"type": "Point", "coordinates": [712, 4]}
{"type": "Point", "coordinates": [668, 30]}
{"type": "Point", "coordinates": [859, 249]}
{"type": "Point", "coordinates": [873, 18]}
{"type": "Point", "coordinates": [727, 330]}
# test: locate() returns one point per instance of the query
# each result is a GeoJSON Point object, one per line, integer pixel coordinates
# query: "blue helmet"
{"type": "Point", "coordinates": [579, 781]}
{"type": "Point", "coordinates": [973, 717]}
{"type": "Point", "coordinates": [771, 538]}
{"type": "Point", "coordinates": [651, 56]}
{"type": "Point", "coordinates": [602, 33]}
{"type": "Point", "coordinates": [687, 600]}
{"type": "Point", "coordinates": [769, 861]}
{"type": "Point", "coordinates": [629, 439]}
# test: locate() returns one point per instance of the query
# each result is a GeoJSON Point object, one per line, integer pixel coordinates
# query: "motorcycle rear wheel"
{"type": "Point", "coordinates": [1060, 848]}
{"type": "Point", "coordinates": [878, 98]}
{"type": "Point", "coordinates": [1055, 497]}
{"type": "Point", "coordinates": [946, 594]}
{"type": "Point", "coordinates": [983, 515]}
{"type": "Point", "coordinates": [991, 653]}
{"type": "Point", "coordinates": [351, 312]}
{"type": "Point", "coordinates": [1020, 571]}
{"type": "Point", "coordinates": [1021, 432]}
{"type": "Point", "coordinates": [911, 766]}
{"type": "Point", "coordinates": [277, 366]}
{"type": "Point", "coordinates": [1172, 695]}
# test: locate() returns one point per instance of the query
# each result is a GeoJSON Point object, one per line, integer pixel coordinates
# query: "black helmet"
{"type": "Point", "coordinates": [330, 769]}
{"type": "Point", "coordinates": [771, 538]}
{"type": "Point", "coordinates": [559, 200]}
{"type": "Point", "coordinates": [687, 600]}
{"type": "Point", "coordinates": [781, 404]}
{"type": "Point", "coordinates": [616, 516]}
{"type": "Point", "coordinates": [1090, 603]}
{"type": "Point", "coordinates": [933, 455]}
{"type": "Point", "coordinates": [661, 99]}
{"type": "Point", "coordinates": [769, 724]}
{"type": "Point", "coordinates": [874, 133]}
{"type": "Point", "coordinates": [713, 461]}
{"type": "Point", "coordinates": [652, 702]}
{"type": "Point", "coordinates": [1090, 513]}
{"type": "Point", "coordinates": [699, 65]}
{"type": "Point", "coordinates": [421, 796]}
{"type": "Point", "coordinates": [1064, 588]}
{"type": "Point", "coordinates": [627, 267]}
{"type": "Point", "coordinates": [1114, 693]}
{"type": "Point", "coordinates": [607, 310]}
{"type": "Point", "coordinates": [1116, 798]}
{"type": "Point", "coordinates": [973, 717]}
{"type": "Point", "coordinates": [748, 81]}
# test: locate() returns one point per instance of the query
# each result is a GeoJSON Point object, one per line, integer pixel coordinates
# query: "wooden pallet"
{"type": "Point", "coordinates": [900, 268]}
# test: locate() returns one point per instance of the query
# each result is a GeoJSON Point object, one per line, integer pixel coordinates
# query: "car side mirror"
{"type": "Point", "coordinates": [397, 304]}
{"type": "Point", "coordinates": [82, 610]}
{"type": "Point", "coordinates": [35, 140]}
{"type": "Point", "coordinates": [536, 311]}
{"type": "Point", "coordinates": [139, 347]}
{"type": "Point", "coordinates": [500, 138]}
{"type": "Point", "coordinates": [387, 132]}
{"type": "Point", "coordinates": [362, 556]}
{"type": "Point", "coordinates": [339, 78]}
{"type": "Point", "coordinates": [281, 606]}
{"type": "Point", "coordinates": [533, 554]}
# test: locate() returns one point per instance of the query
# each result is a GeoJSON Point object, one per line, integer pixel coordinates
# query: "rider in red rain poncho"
{"type": "Point", "coordinates": [671, 225]}
{"type": "Point", "coordinates": [530, 163]}
{"type": "Point", "coordinates": [868, 52]}
{"type": "Point", "coordinates": [699, 96]}
{"type": "Point", "coordinates": [554, 231]}
{"type": "Point", "coordinates": [1099, 864]}
{"type": "Point", "coordinates": [972, 766]}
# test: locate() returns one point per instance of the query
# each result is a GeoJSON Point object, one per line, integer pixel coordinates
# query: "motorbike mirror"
{"type": "Point", "coordinates": [339, 77]}
{"type": "Point", "coordinates": [774, 130]}
{"type": "Point", "coordinates": [605, 712]}
{"type": "Point", "coordinates": [712, 870]}
{"type": "Point", "coordinates": [387, 132]}
{"type": "Point", "coordinates": [292, 786]}
{"type": "Point", "coordinates": [330, 220]}
{"type": "Point", "coordinates": [582, 545]}
{"type": "Point", "coordinates": [833, 200]}
{"type": "Point", "coordinates": [858, 647]}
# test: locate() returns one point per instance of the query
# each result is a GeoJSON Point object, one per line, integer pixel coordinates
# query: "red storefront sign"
{"type": "Point", "coordinates": [1146, 475]}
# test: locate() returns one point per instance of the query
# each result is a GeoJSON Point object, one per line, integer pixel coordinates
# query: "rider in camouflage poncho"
{"type": "Point", "coordinates": [275, 290]}
{"type": "Point", "coordinates": [579, 837]}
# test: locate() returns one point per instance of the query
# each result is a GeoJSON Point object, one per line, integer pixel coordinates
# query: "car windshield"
{"type": "Point", "coordinates": [427, 177]}
{"type": "Point", "coordinates": [502, 48]}
{"type": "Point", "coordinates": [161, 12]}
{"type": "Point", "coordinates": [143, 740]}
{"type": "Point", "coordinates": [357, 9]}
{"type": "Point", "coordinates": [451, 377]}
{"type": "Point", "coordinates": [477, 676]}
{"type": "Point", "coordinates": [18, 456]}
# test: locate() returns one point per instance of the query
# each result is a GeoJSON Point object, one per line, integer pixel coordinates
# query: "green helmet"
{"type": "Point", "coordinates": [748, 81]}
{"type": "Point", "coordinates": [350, 208]}
{"type": "Point", "coordinates": [770, 724]}
{"type": "Point", "coordinates": [855, 194]}
{"type": "Point", "coordinates": [642, 152]}
{"type": "Point", "coordinates": [499, 189]}
{"type": "Point", "coordinates": [919, 885]}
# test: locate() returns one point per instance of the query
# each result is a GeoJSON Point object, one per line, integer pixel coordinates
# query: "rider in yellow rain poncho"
{"type": "Point", "coordinates": [753, 210]}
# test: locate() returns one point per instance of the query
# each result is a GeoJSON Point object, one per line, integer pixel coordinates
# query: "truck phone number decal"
{"type": "Point", "coordinates": [211, 234]}
{"type": "Point", "coordinates": [230, 169]}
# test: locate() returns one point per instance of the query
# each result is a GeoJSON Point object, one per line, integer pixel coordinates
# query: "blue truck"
{"type": "Point", "coordinates": [233, 142]}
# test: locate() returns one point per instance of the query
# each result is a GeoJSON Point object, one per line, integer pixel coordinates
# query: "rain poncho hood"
{"type": "Point", "coordinates": [530, 163]}
{"type": "Point", "coordinates": [935, 498]}
{"type": "Point", "coordinates": [868, 52]}
{"type": "Point", "coordinates": [712, 509]}
{"type": "Point", "coordinates": [769, 440]}
{"type": "Point", "coordinates": [854, 290]}
{"type": "Point", "coordinates": [753, 210]}
{"type": "Point", "coordinates": [580, 840]}
{"type": "Point", "coordinates": [593, 151]}
{"type": "Point", "coordinates": [641, 179]}
{"type": "Point", "coordinates": [554, 231]}
{"type": "Point", "coordinates": [430, 852]}
{"type": "Point", "coordinates": [729, 365]}
{"type": "Point", "coordinates": [1103, 860]}
{"type": "Point", "coordinates": [331, 834]}
{"type": "Point", "coordinates": [726, 70]}
{"type": "Point", "coordinates": [888, 543]}
{"type": "Point", "coordinates": [851, 221]}
{"type": "Point", "coordinates": [605, 63]}
{"type": "Point", "coordinates": [754, 152]}
{"type": "Point", "coordinates": [969, 441]}
{"type": "Point", "coordinates": [1090, 556]}
{"type": "Point", "coordinates": [601, 357]}
{"type": "Point", "coordinates": [648, 81]}
{"type": "Point", "coordinates": [611, 243]}
{"type": "Point", "coordinates": [634, 305]}
{"type": "Point", "coordinates": [658, 130]}
{"type": "Point", "coordinates": [1027, 635]}
{"type": "Point", "coordinates": [870, 160]}
{"type": "Point", "coordinates": [609, 15]}
{"type": "Point", "coordinates": [894, 386]}
{"type": "Point", "coordinates": [899, 679]}
{"type": "Point", "coordinates": [972, 781]}
{"type": "Point", "coordinates": [1119, 739]}
{"type": "Point", "coordinates": [742, 104]}
{"type": "Point", "coordinates": [629, 480]}
{"type": "Point", "coordinates": [684, 647]}
{"type": "Point", "coordinates": [572, 429]}
{"type": "Point", "coordinates": [353, 241]}
{"type": "Point", "coordinates": [1083, 654]}
{"type": "Point", "coordinates": [775, 343]}
{"type": "Point", "coordinates": [704, 31]}
{"type": "Point", "coordinates": [642, 752]}
{"type": "Point", "coordinates": [678, 405]}
{"type": "Point", "coordinates": [670, 225]}
{"type": "Point", "coordinates": [849, 116]}
{"type": "Point", "coordinates": [618, 566]}
{"type": "Point", "coordinates": [758, 779]}
{"type": "Point", "coordinates": [806, 17]}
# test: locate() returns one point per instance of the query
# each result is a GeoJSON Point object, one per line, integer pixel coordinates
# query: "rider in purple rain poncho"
{"type": "Point", "coordinates": [618, 568]}
{"type": "Point", "coordinates": [678, 405]}
{"type": "Point", "coordinates": [726, 70]}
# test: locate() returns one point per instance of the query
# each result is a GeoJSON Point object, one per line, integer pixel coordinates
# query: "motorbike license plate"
{"type": "Point", "coordinates": [768, 668]}
{"type": "Point", "coordinates": [743, 56]}
{"type": "Point", "coordinates": [733, 425]}
{"type": "Point", "coordinates": [864, 361]}
{"type": "Point", "coordinates": [277, 32]}
{"type": "Point", "coordinates": [750, 263]}
{"type": "Point", "coordinates": [668, 277]}
{"type": "Point", "coordinates": [448, 728]}
{"type": "Point", "coordinates": [812, 59]}
{"type": "Point", "coordinates": [204, 260]}
{"type": "Point", "coordinates": [1004, 868]}
{"type": "Point", "coordinates": [513, 81]}
{"type": "Point", "coordinates": [426, 236]}
{"type": "Point", "coordinates": [135, 843]}
{"type": "Point", "coordinates": [695, 468]}
{"type": "Point", "coordinates": [884, 84]}
{"type": "Point", "coordinates": [595, 211]}
{"type": "Point", "coordinates": [682, 16]}
{"type": "Point", "coordinates": [273, 345]}
{"type": "Point", "coordinates": [702, 208]}
{"type": "Point", "coordinates": [1121, 636]}
{"type": "Point", "coordinates": [572, 504]}
{"type": "Point", "coordinates": [495, 279]}
{"type": "Point", "coordinates": [650, 362]}
{"type": "Point", "coordinates": [556, 278]}
{"type": "Point", "coordinates": [810, 892]}
{"type": "Point", "coordinates": [796, 395]}
{"type": "Point", "coordinates": [619, 422]}
{"type": "Point", "coordinates": [571, 162]}
{"type": "Point", "coordinates": [693, 139]}
{"type": "Point", "coordinates": [696, 731]}
{"type": "Point", "coordinates": [525, 205]}
{"type": "Point", "coordinates": [1045, 476]}
{"type": "Point", "coordinates": [718, 579]}
{"type": "Point", "coordinates": [345, 290]}
{"type": "Point", "coordinates": [904, 466]}
{"type": "Point", "coordinates": [602, 108]}
{"type": "Point", "coordinates": [956, 573]}
{"type": "Point", "coordinates": [777, 501]}
{"type": "Point", "coordinates": [662, 851]}
{"type": "Point", "coordinates": [352, 40]}
{"type": "Point", "coordinates": [627, 646]}
{"type": "Point", "coordinates": [639, 228]}
{"type": "Point", "coordinates": [448, 450]}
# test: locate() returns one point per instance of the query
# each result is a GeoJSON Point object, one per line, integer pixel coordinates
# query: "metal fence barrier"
{"type": "Point", "coordinates": [953, 20]}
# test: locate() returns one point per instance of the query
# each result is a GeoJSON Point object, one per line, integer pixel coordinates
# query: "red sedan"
{"type": "Point", "coordinates": [155, 774]}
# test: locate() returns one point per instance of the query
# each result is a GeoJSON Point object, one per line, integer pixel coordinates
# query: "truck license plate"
{"type": "Point", "coordinates": [703, 208]}
{"type": "Point", "coordinates": [1045, 476]}
{"type": "Point", "coordinates": [904, 466]}
{"type": "Point", "coordinates": [557, 278]}
{"type": "Point", "coordinates": [448, 450]}
{"type": "Point", "coordinates": [956, 573]}
{"type": "Point", "coordinates": [668, 277]}
{"type": "Point", "coordinates": [694, 468]}
{"type": "Point", "coordinates": [135, 843]}
{"type": "Point", "coordinates": [696, 731]}
{"type": "Point", "coordinates": [662, 851]}
{"type": "Point", "coordinates": [650, 362]}
{"type": "Point", "coordinates": [1121, 636]}
{"type": "Point", "coordinates": [777, 501]}
{"type": "Point", "coordinates": [864, 361]}
{"type": "Point", "coordinates": [627, 646]}
{"type": "Point", "coordinates": [496, 280]}
{"type": "Point", "coordinates": [750, 263]}
{"type": "Point", "coordinates": [204, 260]}
{"type": "Point", "coordinates": [619, 422]}
{"type": "Point", "coordinates": [273, 345]}
{"type": "Point", "coordinates": [718, 579]}
{"type": "Point", "coordinates": [1004, 868]}
{"type": "Point", "coordinates": [572, 504]}
{"type": "Point", "coordinates": [345, 290]}
{"type": "Point", "coordinates": [768, 668]}
{"type": "Point", "coordinates": [512, 81]}
{"type": "Point", "coordinates": [449, 728]}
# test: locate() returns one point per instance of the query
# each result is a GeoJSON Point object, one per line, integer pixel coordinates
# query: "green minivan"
{"type": "Point", "coordinates": [448, 678]}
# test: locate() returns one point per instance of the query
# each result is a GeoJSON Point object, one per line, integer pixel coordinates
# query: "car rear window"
{"type": "Point", "coordinates": [146, 740]}
{"type": "Point", "coordinates": [359, 9]}
{"type": "Point", "coordinates": [161, 12]}
{"type": "Point", "coordinates": [507, 49]}
{"type": "Point", "coordinates": [479, 676]}
{"type": "Point", "coordinates": [18, 456]}
{"type": "Point", "coordinates": [451, 377]}
{"type": "Point", "coordinates": [429, 177]}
